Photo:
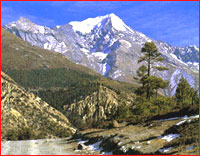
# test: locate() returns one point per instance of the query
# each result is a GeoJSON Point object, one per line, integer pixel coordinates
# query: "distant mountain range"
{"type": "Point", "coordinates": [107, 45]}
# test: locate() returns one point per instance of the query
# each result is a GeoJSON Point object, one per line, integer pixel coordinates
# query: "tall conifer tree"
{"type": "Point", "coordinates": [150, 57]}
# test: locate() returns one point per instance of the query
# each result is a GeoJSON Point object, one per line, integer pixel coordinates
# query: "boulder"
{"type": "Point", "coordinates": [81, 146]}
{"type": "Point", "coordinates": [115, 124]}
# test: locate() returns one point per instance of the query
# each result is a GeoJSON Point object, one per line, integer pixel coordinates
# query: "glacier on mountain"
{"type": "Point", "coordinates": [100, 55]}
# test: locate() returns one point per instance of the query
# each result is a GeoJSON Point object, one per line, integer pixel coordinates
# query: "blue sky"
{"type": "Point", "coordinates": [176, 23]}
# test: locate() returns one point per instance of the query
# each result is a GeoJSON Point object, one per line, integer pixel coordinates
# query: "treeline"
{"type": "Point", "coordinates": [62, 86]}
{"type": "Point", "coordinates": [57, 87]}
{"type": "Point", "coordinates": [48, 78]}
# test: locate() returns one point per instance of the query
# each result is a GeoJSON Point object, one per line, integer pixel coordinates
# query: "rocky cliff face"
{"type": "Point", "coordinates": [97, 107]}
{"type": "Point", "coordinates": [107, 45]}
{"type": "Point", "coordinates": [21, 109]}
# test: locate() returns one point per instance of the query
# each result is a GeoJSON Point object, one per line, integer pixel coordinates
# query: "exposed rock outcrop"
{"type": "Point", "coordinates": [97, 107]}
{"type": "Point", "coordinates": [23, 110]}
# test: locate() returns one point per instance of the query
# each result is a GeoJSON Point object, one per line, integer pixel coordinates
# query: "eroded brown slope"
{"type": "Point", "coordinates": [23, 113]}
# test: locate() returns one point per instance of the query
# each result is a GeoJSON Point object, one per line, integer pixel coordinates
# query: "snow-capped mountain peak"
{"type": "Point", "coordinates": [23, 20]}
{"type": "Point", "coordinates": [20, 22]}
{"type": "Point", "coordinates": [86, 26]}
{"type": "Point", "coordinates": [27, 25]}
{"type": "Point", "coordinates": [117, 23]}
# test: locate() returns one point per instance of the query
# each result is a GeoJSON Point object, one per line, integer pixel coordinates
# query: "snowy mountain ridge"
{"type": "Point", "coordinates": [107, 45]}
{"type": "Point", "coordinates": [89, 24]}
{"type": "Point", "coordinates": [26, 25]}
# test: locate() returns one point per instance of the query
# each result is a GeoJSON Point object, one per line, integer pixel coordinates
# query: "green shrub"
{"type": "Point", "coordinates": [124, 111]}
{"type": "Point", "coordinates": [20, 134]}
{"type": "Point", "coordinates": [11, 135]}
{"type": "Point", "coordinates": [26, 134]}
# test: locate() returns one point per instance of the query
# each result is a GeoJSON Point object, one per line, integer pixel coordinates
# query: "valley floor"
{"type": "Point", "coordinates": [42, 147]}
{"type": "Point", "coordinates": [177, 135]}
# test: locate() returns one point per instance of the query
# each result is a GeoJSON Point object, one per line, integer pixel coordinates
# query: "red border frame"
{"type": "Point", "coordinates": [100, 0]}
{"type": "Point", "coordinates": [94, 0]}
{"type": "Point", "coordinates": [0, 61]}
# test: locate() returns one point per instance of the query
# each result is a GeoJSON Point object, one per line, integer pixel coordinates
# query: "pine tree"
{"type": "Point", "coordinates": [194, 97]}
{"type": "Point", "coordinates": [183, 91]}
{"type": "Point", "coordinates": [142, 75]}
{"type": "Point", "coordinates": [157, 83]}
{"type": "Point", "coordinates": [151, 56]}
